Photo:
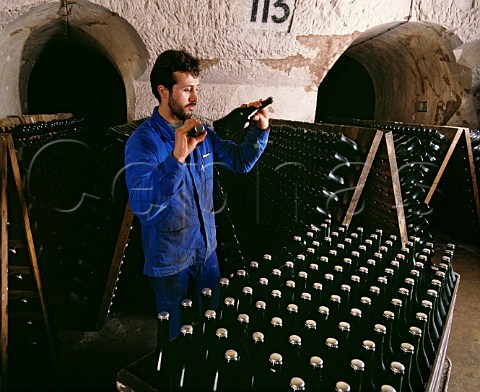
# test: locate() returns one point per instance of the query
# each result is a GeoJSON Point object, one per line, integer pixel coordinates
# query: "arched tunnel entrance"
{"type": "Point", "coordinates": [96, 51]}
{"type": "Point", "coordinates": [76, 79]}
{"type": "Point", "coordinates": [346, 92]}
{"type": "Point", "coordinates": [408, 72]}
{"type": "Point", "coordinates": [403, 71]}
{"type": "Point", "coordinates": [71, 73]}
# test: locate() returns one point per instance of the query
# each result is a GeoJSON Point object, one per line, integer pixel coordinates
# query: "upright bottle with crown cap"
{"type": "Point", "coordinates": [368, 357]}
{"type": "Point", "coordinates": [256, 361]}
{"type": "Point", "coordinates": [259, 316]}
{"type": "Point", "coordinates": [355, 375]}
{"type": "Point", "coordinates": [331, 352]}
{"type": "Point", "coordinates": [315, 379]}
{"type": "Point", "coordinates": [419, 373]}
{"type": "Point", "coordinates": [427, 343]}
{"type": "Point", "coordinates": [245, 299]}
{"type": "Point", "coordinates": [380, 363]}
{"type": "Point", "coordinates": [274, 304]}
{"type": "Point", "coordinates": [434, 323]}
{"type": "Point", "coordinates": [216, 351]}
{"type": "Point", "coordinates": [228, 375]}
{"type": "Point", "coordinates": [274, 335]}
{"type": "Point", "coordinates": [227, 313]}
{"type": "Point", "coordinates": [205, 340]}
{"type": "Point", "coordinates": [324, 322]}
{"type": "Point", "coordinates": [291, 320]}
{"type": "Point", "coordinates": [388, 321]}
{"type": "Point", "coordinates": [274, 378]}
{"type": "Point", "coordinates": [183, 375]}
{"type": "Point", "coordinates": [407, 351]}
{"type": "Point", "coordinates": [206, 299]}
{"type": "Point", "coordinates": [224, 288]}
{"type": "Point", "coordinates": [187, 311]}
{"type": "Point", "coordinates": [448, 286]}
{"type": "Point", "coordinates": [163, 351]}
{"type": "Point", "coordinates": [441, 299]}
{"type": "Point", "coordinates": [293, 357]}
{"type": "Point", "coordinates": [394, 379]}
{"type": "Point", "coordinates": [240, 279]}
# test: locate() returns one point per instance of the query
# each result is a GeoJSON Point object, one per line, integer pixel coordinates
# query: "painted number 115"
{"type": "Point", "coordinates": [281, 13]}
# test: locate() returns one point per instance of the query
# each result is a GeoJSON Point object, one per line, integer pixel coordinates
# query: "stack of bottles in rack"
{"type": "Point", "coordinates": [341, 310]}
{"type": "Point", "coordinates": [418, 153]}
{"type": "Point", "coordinates": [314, 166]}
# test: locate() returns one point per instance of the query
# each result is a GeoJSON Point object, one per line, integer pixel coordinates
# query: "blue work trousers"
{"type": "Point", "coordinates": [170, 290]}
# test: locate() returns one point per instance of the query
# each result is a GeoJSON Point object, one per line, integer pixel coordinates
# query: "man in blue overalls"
{"type": "Point", "coordinates": [169, 176]}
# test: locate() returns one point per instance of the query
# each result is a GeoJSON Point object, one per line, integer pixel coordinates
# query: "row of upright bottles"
{"type": "Point", "coordinates": [420, 152]}
{"type": "Point", "coordinates": [335, 309]}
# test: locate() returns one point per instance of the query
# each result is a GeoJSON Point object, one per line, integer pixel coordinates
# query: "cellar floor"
{"type": "Point", "coordinates": [89, 361]}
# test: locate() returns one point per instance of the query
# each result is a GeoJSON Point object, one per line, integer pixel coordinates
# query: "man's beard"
{"type": "Point", "coordinates": [177, 110]}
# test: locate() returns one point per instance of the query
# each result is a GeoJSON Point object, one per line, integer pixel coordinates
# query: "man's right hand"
{"type": "Point", "coordinates": [185, 144]}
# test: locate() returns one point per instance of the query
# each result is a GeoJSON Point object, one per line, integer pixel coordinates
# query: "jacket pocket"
{"type": "Point", "coordinates": [170, 246]}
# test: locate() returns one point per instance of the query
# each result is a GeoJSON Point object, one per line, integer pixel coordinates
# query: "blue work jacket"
{"type": "Point", "coordinates": [173, 200]}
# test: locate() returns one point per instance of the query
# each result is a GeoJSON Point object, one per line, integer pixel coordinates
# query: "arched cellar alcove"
{"type": "Point", "coordinates": [81, 58]}
{"type": "Point", "coordinates": [77, 79]}
{"type": "Point", "coordinates": [346, 92]}
{"type": "Point", "coordinates": [412, 69]}
{"type": "Point", "coordinates": [40, 37]}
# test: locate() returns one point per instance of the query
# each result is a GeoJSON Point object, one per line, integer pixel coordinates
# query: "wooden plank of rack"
{"type": "Point", "coordinates": [114, 271]}
{"type": "Point", "coordinates": [33, 118]}
{"type": "Point", "coordinates": [10, 122]}
{"type": "Point", "coordinates": [29, 242]}
{"type": "Point", "coordinates": [26, 226]}
{"type": "Point", "coordinates": [440, 172]}
{"type": "Point", "coordinates": [472, 172]}
{"type": "Point", "coordinates": [397, 192]}
{"type": "Point", "coordinates": [7, 123]}
{"type": "Point", "coordinates": [4, 260]}
{"type": "Point", "coordinates": [363, 178]}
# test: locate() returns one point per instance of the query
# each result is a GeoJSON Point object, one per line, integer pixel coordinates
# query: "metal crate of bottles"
{"type": "Point", "coordinates": [369, 314]}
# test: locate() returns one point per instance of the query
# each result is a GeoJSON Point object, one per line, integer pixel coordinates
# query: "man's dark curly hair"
{"type": "Point", "coordinates": [169, 62]}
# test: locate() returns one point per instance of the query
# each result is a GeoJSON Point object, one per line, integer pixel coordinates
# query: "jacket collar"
{"type": "Point", "coordinates": [162, 126]}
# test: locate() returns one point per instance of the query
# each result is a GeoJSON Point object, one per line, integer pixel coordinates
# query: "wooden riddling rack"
{"type": "Point", "coordinates": [27, 346]}
{"type": "Point", "coordinates": [121, 248]}
{"type": "Point", "coordinates": [360, 203]}
{"type": "Point", "coordinates": [9, 122]}
{"type": "Point", "coordinates": [377, 168]}
{"type": "Point", "coordinates": [376, 145]}
{"type": "Point", "coordinates": [380, 170]}
{"type": "Point", "coordinates": [359, 170]}
{"type": "Point", "coordinates": [68, 178]}
{"type": "Point", "coordinates": [453, 191]}
{"type": "Point", "coordinates": [29, 320]}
